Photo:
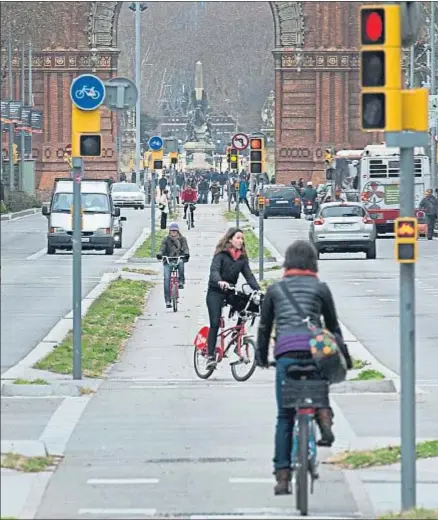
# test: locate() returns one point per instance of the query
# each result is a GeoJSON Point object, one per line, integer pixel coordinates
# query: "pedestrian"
{"type": "Point", "coordinates": [429, 205]}
{"type": "Point", "coordinates": [163, 206]}
{"type": "Point", "coordinates": [162, 183]}
{"type": "Point", "coordinates": [292, 346]}
{"type": "Point", "coordinates": [243, 191]}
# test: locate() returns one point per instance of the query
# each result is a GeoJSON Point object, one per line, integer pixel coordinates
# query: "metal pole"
{"type": "Point", "coordinates": [407, 342]}
{"type": "Point", "coordinates": [23, 100]}
{"type": "Point", "coordinates": [412, 67]}
{"type": "Point", "coordinates": [261, 244]}
{"type": "Point", "coordinates": [433, 72]}
{"type": "Point", "coordinates": [30, 92]}
{"type": "Point", "coordinates": [153, 214]}
{"type": "Point", "coordinates": [137, 83]}
{"type": "Point", "coordinates": [229, 194]}
{"type": "Point", "coordinates": [237, 207]}
{"type": "Point", "coordinates": [11, 125]}
{"type": "Point", "coordinates": [77, 268]}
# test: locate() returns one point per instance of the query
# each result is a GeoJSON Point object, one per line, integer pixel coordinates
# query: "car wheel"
{"type": "Point", "coordinates": [371, 252]}
{"type": "Point", "coordinates": [141, 207]}
{"type": "Point", "coordinates": [51, 250]}
{"type": "Point", "coordinates": [298, 216]}
{"type": "Point", "coordinates": [265, 216]}
{"type": "Point", "coordinates": [109, 250]}
{"type": "Point", "coordinates": [118, 243]}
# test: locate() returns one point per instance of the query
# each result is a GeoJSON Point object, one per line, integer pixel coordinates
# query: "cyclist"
{"type": "Point", "coordinates": [189, 196]}
{"type": "Point", "coordinates": [229, 261]}
{"type": "Point", "coordinates": [174, 244]}
{"type": "Point", "coordinates": [292, 347]}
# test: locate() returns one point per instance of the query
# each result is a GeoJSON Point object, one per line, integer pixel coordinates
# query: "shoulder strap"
{"type": "Point", "coordinates": [293, 301]}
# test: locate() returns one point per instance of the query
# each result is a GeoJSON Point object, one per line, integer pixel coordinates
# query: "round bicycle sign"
{"type": "Point", "coordinates": [240, 141]}
{"type": "Point", "coordinates": [87, 92]}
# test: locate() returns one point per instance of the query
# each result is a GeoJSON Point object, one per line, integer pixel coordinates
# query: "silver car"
{"type": "Point", "coordinates": [128, 195]}
{"type": "Point", "coordinates": [343, 227]}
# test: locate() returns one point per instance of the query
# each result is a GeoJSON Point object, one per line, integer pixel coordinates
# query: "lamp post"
{"type": "Point", "coordinates": [138, 8]}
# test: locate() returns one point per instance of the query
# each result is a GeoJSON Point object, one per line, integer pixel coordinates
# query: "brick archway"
{"type": "Point", "coordinates": [316, 85]}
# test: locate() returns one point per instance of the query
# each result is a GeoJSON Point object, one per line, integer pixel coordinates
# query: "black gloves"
{"type": "Point", "coordinates": [186, 258]}
{"type": "Point", "coordinates": [159, 257]}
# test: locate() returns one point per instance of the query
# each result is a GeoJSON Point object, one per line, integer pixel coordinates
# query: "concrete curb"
{"type": "Point", "coordinates": [20, 214]}
{"type": "Point", "coordinates": [62, 388]}
{"type": "Point", "coordinates": [24, 448]}
{"type": "Point", "coordinates": [383, 386]}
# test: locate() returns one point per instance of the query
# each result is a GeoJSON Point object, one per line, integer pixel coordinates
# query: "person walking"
{"type": "Point", "coordinates": [429, 205]}
{"type": "Point", "coordinates": [243, 191]}
{"type": "Point", "coordinates": [163, 206]}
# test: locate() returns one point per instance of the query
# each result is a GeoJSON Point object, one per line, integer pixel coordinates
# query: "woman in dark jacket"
{"type": "Point", "coordinates": [292, 346]}
{"type": "Point", "coordinates": [229, 261]}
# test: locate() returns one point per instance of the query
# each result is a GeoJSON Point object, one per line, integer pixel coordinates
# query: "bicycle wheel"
{"type": "Point", "coordinates": [200, 364]}
{"type": "Point", "coordinates": [301, 478]}
{"type": "Point", "coordinates": [174, 297]}
{"type": "Point", "coordinates": [247, 362]}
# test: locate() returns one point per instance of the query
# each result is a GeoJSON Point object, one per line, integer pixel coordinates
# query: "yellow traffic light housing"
{"type": "Point", "coordinates": [234, 159]}
{"type": "Point", "coordinates": [90, 145]}
{"type": "Point", "coordinates": [406, 235]}
{"type": "Point", "coordinates": [14, 153]}
{"type": "Point", "coordinates": [157, 159]}
{"type": "Point", "coordinates": [380, 68]}
{"type": "Point", "coordinates": [86, 140]}
{"type": "Point", "coordinates": [256, 155]}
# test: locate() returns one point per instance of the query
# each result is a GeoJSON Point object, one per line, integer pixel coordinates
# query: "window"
{"type": "Point", "coordinates": [124, 186]}
{"type": "Point", "coordinates": [91, 203]}
{"type": "Point", "coordinates": [284, 193]}
{"type": "Point", "coordinates": [343, 211]}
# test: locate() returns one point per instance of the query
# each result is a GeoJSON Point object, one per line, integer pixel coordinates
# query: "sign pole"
{"type": "Point", "coordinates": [77, 268]}
{"type": "Point", "coordinates": [261, 244]}
{"type": "Point", "coordinates": [237, 204]}
{"type": "Point", "coordinates": [153, 213]}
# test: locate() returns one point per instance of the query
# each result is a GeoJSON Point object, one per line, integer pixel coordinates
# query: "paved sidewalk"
{"type": "Point", "coordinates": [156, 440]}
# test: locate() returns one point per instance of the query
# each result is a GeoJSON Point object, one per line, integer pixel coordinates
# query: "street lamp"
{"type": "Point", "coordinates": [138, 8]}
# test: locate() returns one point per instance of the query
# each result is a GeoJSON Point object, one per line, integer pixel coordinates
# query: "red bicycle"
{"type": "Point", "coordinates": [174, 261]}
{"type": "Point", "coordinates": [247, 307]}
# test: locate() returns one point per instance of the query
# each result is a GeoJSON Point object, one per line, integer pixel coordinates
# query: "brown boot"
{"type": "Point", "coordinates": [324, 418]}
{"type": "Point", "coordinates": [283, 478]}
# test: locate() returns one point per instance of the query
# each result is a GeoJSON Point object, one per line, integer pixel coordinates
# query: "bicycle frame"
{"type": "Point", "coordinates": [310, 414]}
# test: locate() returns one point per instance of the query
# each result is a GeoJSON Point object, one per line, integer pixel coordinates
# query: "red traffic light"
{"type": "Point", "coordinates": [373, 26]}
{"type": "Point", "coordinates": [256, 144]}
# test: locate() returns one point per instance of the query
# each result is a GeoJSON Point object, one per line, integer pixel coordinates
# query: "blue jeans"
{"type": "Point", "coordinates": [167, 269]}
{"type": "Point", "coordinates": [285, 416]}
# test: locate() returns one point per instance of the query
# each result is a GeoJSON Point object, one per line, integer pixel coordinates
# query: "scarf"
{"type": "Point", "coordinates": [235, 253]}
{"type": "Point", "coordinates": [299, 272]}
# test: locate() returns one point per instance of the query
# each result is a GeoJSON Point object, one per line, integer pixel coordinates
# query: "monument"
{"type": "Point", "coordinates": [199, 147]}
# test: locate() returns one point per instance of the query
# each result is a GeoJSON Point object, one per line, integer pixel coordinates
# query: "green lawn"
{"type": "Point", "coordinates": [105, 328]}
{"type": "Point", "coordinates": [230, 216]}
{"type": "Point", "coordinates": [252, 245]}
{"type": "Point", "coordinates": [145, 250]}
{"type": "Point", "coordinates": [412, 514]}
{"type": "Point", "coordinates": [28, 464]}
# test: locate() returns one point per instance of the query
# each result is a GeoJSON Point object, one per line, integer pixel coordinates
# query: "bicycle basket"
{"type": "Point", "coordinates": [294, 393]}
{"type": "Point", "coordinates": [239, 301]}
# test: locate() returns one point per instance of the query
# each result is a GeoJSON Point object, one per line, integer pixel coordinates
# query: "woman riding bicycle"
{"type": "Point", "coordinates": [229, 261]}
{"type": "Point", "coordinates": [173, 245]}
{"type": "Point", "coordinates": [292, 346]}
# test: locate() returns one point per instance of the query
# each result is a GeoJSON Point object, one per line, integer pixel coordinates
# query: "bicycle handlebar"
{"type": "Point", "coordinates": [175, 258]}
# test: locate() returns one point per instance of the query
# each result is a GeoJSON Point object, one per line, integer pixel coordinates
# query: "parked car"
{"type": "Point", "coordinates": [118, 231]}
{"type": "Point", "coordinates": [280, 200]}
{"type": "Point", "coordinates": [343, 227]}
{"type": "Point", "coordinates": [128, 195]}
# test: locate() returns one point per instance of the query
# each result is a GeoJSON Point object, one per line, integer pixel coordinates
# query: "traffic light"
{"type": "Point", "coordinates": [228, 151]}
{"type": "Point", "coordinates": [406, 245]}
{"type": "Point", "coordinates": [90, 145]}
{"type": "Point", "coordinates": [14, 153]}
{"type": "Point", "coordinates": [380, 68]}
{"type": "Point", "coordinates": [157, 159]}
{"type": "Point", "coordinates": [256, 154]}
{"type": "Point", "coordinates": [234, 159]}
{"type": "Point", "coordinates": [173, 157]}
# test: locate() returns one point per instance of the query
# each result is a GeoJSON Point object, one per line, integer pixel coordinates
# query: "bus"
{"type": "Point", "coordinates": [379, 183]}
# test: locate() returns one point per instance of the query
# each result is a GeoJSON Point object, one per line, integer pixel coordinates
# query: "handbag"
{"type": "Point", "coordinates": [323, 345]}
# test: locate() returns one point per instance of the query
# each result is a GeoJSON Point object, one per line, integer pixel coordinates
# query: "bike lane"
{"type": "Point", "coordinates": [157, 441]}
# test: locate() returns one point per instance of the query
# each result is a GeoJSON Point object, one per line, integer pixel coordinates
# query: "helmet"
{"type": "Point", "coordinates": [309, 183]}
{"type": "Point", "coordinates": [174, 227]}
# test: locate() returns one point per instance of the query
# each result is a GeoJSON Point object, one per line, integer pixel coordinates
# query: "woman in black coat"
{"type": "Point", "coordinates": [229, 261]}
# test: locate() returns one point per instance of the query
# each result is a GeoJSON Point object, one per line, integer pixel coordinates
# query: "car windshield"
{"type": "Point", "coordinates": [285, 193]}
{"type": "Point", "coordinates": [91, 203]}
{"type": "Point", "coordinates": [343, 211]}
{"type": "Point", "coordinates": [124, 187]}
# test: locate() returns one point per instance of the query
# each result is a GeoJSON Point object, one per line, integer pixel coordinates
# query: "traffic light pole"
{"type": "Point", "coordinates": [407, 141]}
{"type": "Point", "coordinates": [261, 243]}
{"type": "Point", "coordinates": [77, 267]}
{"type": "Point", "coordinates": [153, 213]}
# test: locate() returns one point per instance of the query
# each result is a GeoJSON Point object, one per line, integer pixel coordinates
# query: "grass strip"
{"type": "Point", "coordinates": [358, 364]}
{"type": "Point", "coordinates": [369, 375]}
{"type": "Point", "coordinates": [412, 514]}
{"type": "Point", "coordinates": [28, 464]}
{"type": "Point", "coordinates": [145, 250]}
{"type": "Point", "coordinates": [381, 456]}
{"type": "Point", "coordinates": [38, 381]}
{"type": "Point", "coordinates": [252, 245]}
{"type": "Point", "coordinates": [145, 272]}
{"type": "Point", "coordinates": [106, 326]}
{"type": "Point", "coordinates": [230, 216]}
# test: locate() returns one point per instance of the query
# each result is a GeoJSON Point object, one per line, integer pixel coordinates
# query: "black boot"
{"type": "Point", "coordinates": [283, 477]}
{"type": "Point", "coordinates": [324, 418]}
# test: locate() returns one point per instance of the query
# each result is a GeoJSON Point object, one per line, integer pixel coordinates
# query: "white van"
{"type": "Point", "coordinates": [98, 215]}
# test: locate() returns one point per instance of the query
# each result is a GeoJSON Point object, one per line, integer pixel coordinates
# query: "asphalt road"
{"type": "Point", "coordinates": [36, 288]}
{"type": "Point", "coordinates": [367, 295]}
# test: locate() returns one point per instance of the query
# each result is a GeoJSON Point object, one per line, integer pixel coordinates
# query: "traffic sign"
{"type": "Point", "coordinates": [156, 143]}
{"type": "Point", "coordinates": [67, 150]}
{"type": "Point", "coordinates": [121, 93]}
{"type": "Point", "coordinates": [240, 141]}
{"type": "Point", "coordinates": [87, 92]}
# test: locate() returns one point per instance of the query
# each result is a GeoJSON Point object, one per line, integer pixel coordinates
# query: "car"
{"type": "Point", "coordinates": [343, 227]}
{"type": "Point", "coordinates": [280, 200]}
{"type": "Point", "coordinates": [127, 195]}
{"type": "Point", "coordinates": [118, 232]}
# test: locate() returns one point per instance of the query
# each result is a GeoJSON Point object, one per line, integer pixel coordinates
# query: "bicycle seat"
{"type": "Point", "coordinates": [301, 369]}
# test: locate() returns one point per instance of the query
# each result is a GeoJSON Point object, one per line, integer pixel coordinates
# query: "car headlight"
{"type": "Point", "coordinates": [57, 230]}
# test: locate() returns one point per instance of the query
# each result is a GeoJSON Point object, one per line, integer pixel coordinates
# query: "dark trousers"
{"type": "Point", "coordinates": [192, 212]}
{"type": "Point", "coordinates": [431, 219]}
{"type": "Point", "coordinates": [215, 301]}
{"type": "Point", "coordinates": [163, 220]}
{"type": "Point", "coordinates": [245, 200]}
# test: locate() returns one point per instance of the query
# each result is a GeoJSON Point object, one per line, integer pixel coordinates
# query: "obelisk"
{"type": "Point", "coordinates": [199, 81]}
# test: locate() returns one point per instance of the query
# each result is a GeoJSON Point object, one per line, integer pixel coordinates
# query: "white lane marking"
{"type": "Point", "coordinates": [118, 512]}
{"type": "Point", "coordinates": [37, 255]}
{"type": "Point", "coordinates": [387, 300]}
{"type": "Point", "coordinates": [255, 480]}
{"type": "Point", "coordinates": [143, 235]}
{"type": "Point", "coordinates": [121, 481]}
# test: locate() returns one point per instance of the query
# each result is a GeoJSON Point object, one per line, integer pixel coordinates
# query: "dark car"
{"type": "Point", "coordinates": [281, 201]}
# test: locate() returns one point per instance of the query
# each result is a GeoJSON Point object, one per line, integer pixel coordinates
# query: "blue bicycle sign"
{"type": "Point", "coordinates": [156, 143]}
{"type": "Point", "coordinates": [87, 92]}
